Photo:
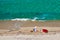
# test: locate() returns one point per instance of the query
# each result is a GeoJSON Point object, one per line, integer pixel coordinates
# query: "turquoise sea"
{"type": "Point", "coordinates": [31, 9]}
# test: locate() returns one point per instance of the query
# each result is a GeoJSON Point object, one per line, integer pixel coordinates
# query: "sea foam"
{"type": "Point", "coordinates": [27, 19]}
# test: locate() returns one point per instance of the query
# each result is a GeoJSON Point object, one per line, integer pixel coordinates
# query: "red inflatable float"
{"type": "Point", "coordinates": [45, 30]}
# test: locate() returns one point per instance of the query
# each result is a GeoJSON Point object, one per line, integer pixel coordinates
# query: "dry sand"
{"type": "Point", "coordinates": [31, 37]}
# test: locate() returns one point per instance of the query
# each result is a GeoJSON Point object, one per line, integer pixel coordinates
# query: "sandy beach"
{"type": "Point", "coordinates": [26, 26]}
{"type": "Point", "coordinates": [21, 30]}
{"type": "Point", "coordinates": [31, 37]}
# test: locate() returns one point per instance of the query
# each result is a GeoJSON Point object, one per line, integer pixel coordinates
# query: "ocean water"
{"type": "Point", "coordinates": [30, 9]}
{"type": "Point", "coordinates": [36, 16]}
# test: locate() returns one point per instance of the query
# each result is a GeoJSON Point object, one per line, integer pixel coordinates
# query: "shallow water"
{"type": "Point", "coordinates": [31, 9]}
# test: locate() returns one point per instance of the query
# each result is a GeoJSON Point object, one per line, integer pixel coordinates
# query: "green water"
{"type": "Point", "coordinates": [40, 9]}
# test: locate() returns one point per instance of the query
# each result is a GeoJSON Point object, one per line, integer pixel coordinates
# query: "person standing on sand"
{"type": "Point", "coordinates": [35, 29]}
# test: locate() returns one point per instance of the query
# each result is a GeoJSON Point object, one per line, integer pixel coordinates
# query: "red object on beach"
{"type": "Point", "coordinates": [45, 30]}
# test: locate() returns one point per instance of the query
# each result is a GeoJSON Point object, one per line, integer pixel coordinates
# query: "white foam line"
{"type": "Point", "coordinates": [22, 19]}
{"type": "Point", "coordinates": [26, 19]}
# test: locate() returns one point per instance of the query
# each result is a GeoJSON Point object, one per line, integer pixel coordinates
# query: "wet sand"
{"type": "Point", "coordinates": [14, 24]}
